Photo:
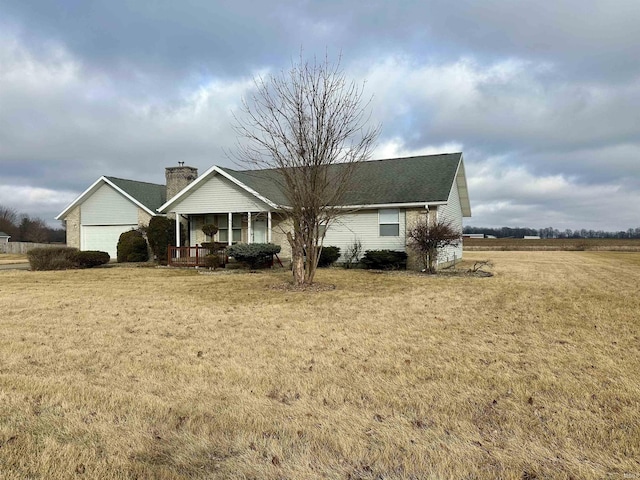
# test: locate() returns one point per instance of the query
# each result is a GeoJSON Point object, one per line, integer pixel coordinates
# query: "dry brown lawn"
{"type": "Point", "coordinates": [154, 373]}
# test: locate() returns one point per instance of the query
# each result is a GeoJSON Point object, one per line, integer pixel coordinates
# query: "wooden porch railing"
{"type": "Point", "coordinates": [193, 256]}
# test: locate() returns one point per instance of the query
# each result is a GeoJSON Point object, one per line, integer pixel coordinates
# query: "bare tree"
{"type": "Point", "coordinates": [427, 238]}
{"type": "Point", "coordinates": [32, 229]}
{"type": "Point", "coordinates": [8, 221]}
{"type": "Point", "coordinates": [308, 123]}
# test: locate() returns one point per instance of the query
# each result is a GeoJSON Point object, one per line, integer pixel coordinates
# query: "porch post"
{"type": "Point", "coordinates": [177, 234]}
{"type": "Point", "coordinates": [269, 226]}
{"type": "Point", "coordinates": [177, 228]}
{"type": "Point", "coordinates": [249, 227]}
{"type": "Point", "coordinates": [229, 227]}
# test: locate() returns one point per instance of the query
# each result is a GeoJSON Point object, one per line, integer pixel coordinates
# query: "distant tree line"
{"type": "Point", "coordinates": [24, 228]}
{"type": "Point", "coordinates": [549, 232]}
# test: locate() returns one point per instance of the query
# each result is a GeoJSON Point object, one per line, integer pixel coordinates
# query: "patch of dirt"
{"type": "Point", "coordinates": [441, 273]}
{"type": "Point", "coordinates": [290, 287]}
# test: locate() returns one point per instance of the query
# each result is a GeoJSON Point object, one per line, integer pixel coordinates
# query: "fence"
{"type": "Point", "coordinates": [24, 247]}
{"type": "Point", "coordinates": [193, 256]}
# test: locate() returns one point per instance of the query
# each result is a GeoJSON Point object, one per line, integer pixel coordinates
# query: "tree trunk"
{"type": "Point", "coordinates": [431, 267]}
{"type": "Point", "coordinates": [312, 263]}
{"type": "Point", "coordinates": [298, 270]}
{"type": "Point", "coordinates": [297, 259]}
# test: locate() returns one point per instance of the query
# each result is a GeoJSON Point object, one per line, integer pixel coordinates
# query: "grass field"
{"type": "Point", "coordinates": [156, 373]}
{"type": "Point", "coordinates": [570, 244]}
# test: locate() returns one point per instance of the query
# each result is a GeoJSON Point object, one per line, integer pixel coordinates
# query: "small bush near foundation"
{"type": "Point", "coordinates": [212, 260]}
{"type": "Point", "coordinates": [328, 256]}
{"type": "Point", "coordinates": [161, 233]}
{"type": "Point", "coordinates": [92, 258]}
{"type": "Point", "coordinates": [255, 255]}
{"type": "Point", "coordinates": [132, 247]}
{"type": "Point", "coordinates": [353, 254]}
{"type": "Point", "coordinates": [57, 258]}
{"type": "Point", "coordinates": [384, 260]}
{"type": "Point", "coordinates": [215, 246]}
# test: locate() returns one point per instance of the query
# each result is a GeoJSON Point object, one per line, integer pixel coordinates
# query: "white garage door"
{"type": "Point", "coordinates": [103, 237]}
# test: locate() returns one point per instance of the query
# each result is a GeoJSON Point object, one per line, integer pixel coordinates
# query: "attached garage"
{"type": "Point", "coordinates": [103, 237]}
{"type": "Point", "coordinates": [111, 206]}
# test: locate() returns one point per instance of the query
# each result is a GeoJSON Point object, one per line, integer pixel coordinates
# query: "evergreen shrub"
{"type": "Point", "coordinates": [384, 260]}
{"type": "Point", "coordinates": [328, 256]}
{"type": "Point", "coordinates": [132, 247]}
{"type": "Point", "coordinates": [255, 255]}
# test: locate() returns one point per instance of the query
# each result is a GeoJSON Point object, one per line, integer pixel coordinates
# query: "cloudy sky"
{"type": "Point", "coordinates": [543, 98]}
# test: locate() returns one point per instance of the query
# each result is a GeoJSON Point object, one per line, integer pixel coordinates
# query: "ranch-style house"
{"type": "Point", "coordinates": [384, 199]}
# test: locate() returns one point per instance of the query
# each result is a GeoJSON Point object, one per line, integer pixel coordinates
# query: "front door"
{"type": "Point", "coordinates": [259, 231]}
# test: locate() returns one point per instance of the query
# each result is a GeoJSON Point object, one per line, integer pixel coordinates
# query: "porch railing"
{"type": "Point", "coordinates": [194, 256]}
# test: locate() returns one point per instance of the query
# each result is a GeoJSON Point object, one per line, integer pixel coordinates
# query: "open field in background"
{"type": "Point", "coordinates": [570, 244]}
{"type": "Point", "coordinates": [156, 373]}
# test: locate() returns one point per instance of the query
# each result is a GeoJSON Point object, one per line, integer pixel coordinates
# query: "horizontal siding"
{"type": "Point", "coordinates": [363, 225]}
{"type": "Point", "coordinates": [452, 211]}
{"type": "Point", "coordinates": [218, 195]}
{"type": "Point", "coordinates": [108, 207]}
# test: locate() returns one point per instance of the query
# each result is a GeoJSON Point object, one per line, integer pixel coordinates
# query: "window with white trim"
{"type": "Point", "coordinates": [222, 221]}
{"type": "Point", "coordinates": [389, 220]}
{"type": "Point", "coordinates": [236, 225]}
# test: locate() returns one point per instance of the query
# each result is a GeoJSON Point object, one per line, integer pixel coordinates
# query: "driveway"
{"type": "Point", "coordinates": [15, 266]}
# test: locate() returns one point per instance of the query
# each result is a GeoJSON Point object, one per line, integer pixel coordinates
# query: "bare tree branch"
{"type": "Point", "coordinates": [309, 124]}
{"type": "Point", "coordinates": [428, 238]}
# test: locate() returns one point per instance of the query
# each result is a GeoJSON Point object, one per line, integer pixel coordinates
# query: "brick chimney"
{"type": "Point", "coordinates": [178, 178]}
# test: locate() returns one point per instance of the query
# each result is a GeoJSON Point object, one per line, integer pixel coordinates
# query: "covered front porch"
{"type": "Point", "coordinates": [193, 245]}
{"type": "Point", "coordinates": [233, 227]}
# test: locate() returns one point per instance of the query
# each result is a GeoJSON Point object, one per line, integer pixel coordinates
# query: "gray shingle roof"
{"type": "Point", "coordinates": [426, 178]}
{"type": "Point", "coordinates": [2, 234]}
{"type": "Point", "coordinates": [151, 195]}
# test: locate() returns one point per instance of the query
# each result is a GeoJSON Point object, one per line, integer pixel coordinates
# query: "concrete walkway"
{"type": "Point", "coordinates": [15, 266]}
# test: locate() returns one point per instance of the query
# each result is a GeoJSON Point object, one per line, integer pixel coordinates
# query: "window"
{"type": "Point", "coordinates": [223, 228]}
{"type": "Point", "coordinates": [389, 220]}
{"type": "Point", "coordinates": [222, 221]}
{"type": "Point", "coordinates": [236, 225]}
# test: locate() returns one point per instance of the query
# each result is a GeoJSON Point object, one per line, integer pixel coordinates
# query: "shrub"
{"type": "Point", "coordinates": [353, 253]}
{"type": "Point", "coordinates": [132, 247]}
{"type": "Point", "coordinates": [215, 246]}
{"type": "Point", "coordinates": [428, 238]}
{"type": "Point", "coordinates": [212, 260]}
{"type": "Point", "coordinates": [161, 233]}
{"type": "Point", "coordinates": [328, 256]}
{"type": "Point", "coordinates": [256, 255]}
{"type": "Point", "coordinates": [385, 260]}
{"type": "Point", "coordinates": [56, 258]}
{"type": "Point", "coordinates": [92, 258]}
{"type": "Point", "coordinates": [209, 229]}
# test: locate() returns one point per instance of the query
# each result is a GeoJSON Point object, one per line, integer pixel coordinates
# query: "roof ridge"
{"type": "Point", "coordinates": [364, 161]}
{"type": "Point", "coordinates": [137, 181]}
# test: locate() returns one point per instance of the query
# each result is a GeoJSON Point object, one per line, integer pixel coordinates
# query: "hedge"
{"type": "Point", "coordinates": [256, 255]}
{"type": "Point", "coordinates": [92, 258]}
{"type": "Point", "coordinates": [328, 256]}
{"type": "Point", "coordinates": [64, 258]}
{"type": "Point", "coordinates": [384, 260]}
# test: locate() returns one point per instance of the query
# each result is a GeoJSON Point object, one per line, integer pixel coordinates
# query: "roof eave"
{"type": "Point", "coordinates": [391, 205]}
{"type": "Point", "coordinates": [460, 182]}
{"type": "Point", "coordinates": [93, 188]}
{"type": "Point", "coordinates": [80, 198]}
